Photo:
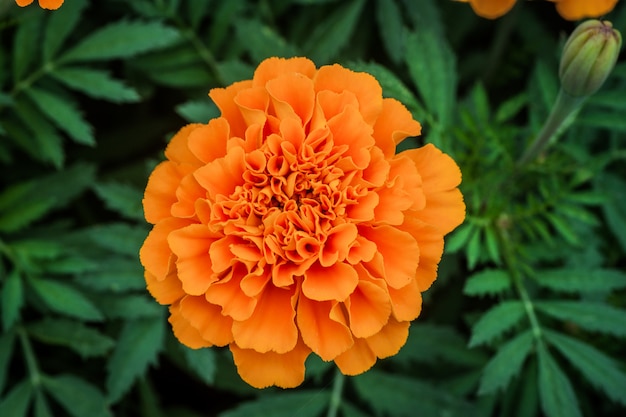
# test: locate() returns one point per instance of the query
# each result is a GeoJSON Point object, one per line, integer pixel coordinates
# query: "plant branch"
{"type": "Point", "coordinates": [335, 398]}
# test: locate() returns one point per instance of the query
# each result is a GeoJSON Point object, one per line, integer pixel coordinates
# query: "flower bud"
{"type": "Point", "coordinates": [589, 56]}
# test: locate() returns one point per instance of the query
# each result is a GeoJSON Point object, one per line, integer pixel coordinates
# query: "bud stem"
{"type": "Point", "coordinates": [564, 107]}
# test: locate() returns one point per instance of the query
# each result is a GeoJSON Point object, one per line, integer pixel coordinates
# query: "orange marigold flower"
{"type": "Point", "coordinates": [568, 9]}
{"type": "Point", "coordinates": [44, 4]}
{"type": "Point", "coordinates": [288, 225]}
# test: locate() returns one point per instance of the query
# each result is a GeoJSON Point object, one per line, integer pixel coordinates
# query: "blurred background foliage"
{"type": "Point", "coordinates": [527, 318]}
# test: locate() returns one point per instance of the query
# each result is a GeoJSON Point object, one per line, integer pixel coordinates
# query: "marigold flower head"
{"type": "Point", "coordinates": [44, 4]}
{"type": "Point", "coordinates": [568, 9]}
{"type": "Point", "coordinates": [289, 225]}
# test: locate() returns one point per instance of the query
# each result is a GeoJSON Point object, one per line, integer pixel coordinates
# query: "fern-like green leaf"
{"type": "Point", "coordinates": [7, 341]}
{"type": "Point", "coordinates": [121, 198]}
{"type": "Point", "coordinates": [590, 315]}
{"type": "Point", "coordinates": [580, 281]}
{"type": "Point", "coordinates": [137, 347]}
{"type": "Point", "coordinates": [556, 394]}
{"type": "Point", "coordinates": [17, 400]}
{"type": "Point", "coordinates": [60, 25]}
{"type": "Point", "coordinates": [487, 282]}
{"type": "Point", "coordinates": [496, 321]}
{"type": "Point", "coordinates": [65, 299]}
{"type": "Point", "coordinates": [302, 404]}
{"type": "Point", "coordinates": [96, 84]}
{"type": "Point", "coordinates": [601, 370]}
{"type": "Point", "coordinates": [506, 363]}
{"type": "Point", "coordinates": [122, 39]}
{"type": "Point", "coordinates": [84, 340]}
{"type": "Point", "coordinates": [12, 299]}
{"type": "Point", "coordinates": [77, 396]}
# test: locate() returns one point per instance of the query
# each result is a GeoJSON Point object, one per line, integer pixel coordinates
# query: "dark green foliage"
{"type": "Point", "coordinates": [527, 317]}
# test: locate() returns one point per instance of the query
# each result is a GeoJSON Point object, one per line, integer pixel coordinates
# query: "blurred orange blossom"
{"type": "Point", "coordinates": [44, 4]}
{"type": "Point", "coordinates": [568, 9]}
{"type": "Point", "coordinates": [289, 225]}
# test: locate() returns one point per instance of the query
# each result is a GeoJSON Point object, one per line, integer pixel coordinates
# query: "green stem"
{"type": "Point", "coordinates": [29, 355]}
{"type": "Point", "coordinates": [518, 282]}
{"type": "Point", "coordinates": [335, 398]}
{"type": "Point", "coordinates": [564, 107]}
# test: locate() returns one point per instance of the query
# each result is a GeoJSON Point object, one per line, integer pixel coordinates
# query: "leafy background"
{"type": "Point", "coordinates": [527, 318]}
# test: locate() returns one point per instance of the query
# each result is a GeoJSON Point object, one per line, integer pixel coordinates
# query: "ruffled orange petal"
{"type": "Point", "coordinates": [580, 9]}
{"type": "Point", "coordinates": [221, 176]}
{"type": "Point", "coordinates": [271, 327]}
{"type": "Point", "coordinates": [292, 96]}
{"type": "Point", "coordinates": [356, 360]}
{"type": "Point", "coordinates": [406, 302]}
{"type": "Point", "coordinates": [275, 67]}
{"type": "Point", "coordinates": [224, 98]}
{"type": "Point", "coordinates": [262, 370]}
{"type": "Point", "coordinates": [394, 124]}
{"type": "Point", "coordinates": [165, 291]}
{"type": "Point", "coordinates": [390, 339]}
{"type": "Point", "coordinates": [368, 306]}
{"type": "Point", "coordinates": [155, 254]}
{"type": "Point", "coordinates": [23, 3]}
{"type": "Point", "coordinates": [348, 130]}
{"type": "Point", "coordinates": [178, 148]}
{"type": "Point", "coordinates": [399, 251]}
{"type": "Point", "coordinates": [208, 142]}
{"type": "Point", "coordinates": [227, 294]}
{"type": "Point", "coordinates": [191, 245]}
{"type": "Point", "coordinates": [323, 327]}
{"type": "Point", "coordinates": [335, 282]}
{"type": "Point", "coordinates": [430, 241]}
{"type": "Point", "coordinates": [365, 87]}
{"type": "Point", "coordinates": [444, 208]}
{"type": "Point", "coordinates": [160, 194]}
{"type": "Point", "coordinates": [207, 319]}
{"type": "Point", "coordinates": [184, 331]}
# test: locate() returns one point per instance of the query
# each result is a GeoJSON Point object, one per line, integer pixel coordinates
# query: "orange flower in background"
{"type": "Point", "coordinates": [289, 225]}
{"type": "Point", "coordinates": [568, 9]}
{"type": "Point", "coordinates": [44, 4]}
{"type": "Point", "coordinates": [580, 9]}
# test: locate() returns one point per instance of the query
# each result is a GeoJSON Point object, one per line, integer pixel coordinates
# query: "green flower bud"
{"type": "Point", "coordinates": [589, 56]}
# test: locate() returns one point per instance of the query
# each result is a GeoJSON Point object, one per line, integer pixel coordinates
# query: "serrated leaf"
{"type": "Point", "coordinates": [77, 396]}
{"type": "Point", "coordinates": [122, 39]}
{"type": "Point", "coordinates": [122, 199]}
{"type": "Point", "coordinates": [590, 315]}
{"type": "Point", "coordinates": [425, 14]}
{"type": "Point", "coordinates": [114, 274]}
{"type": "Point", "coordinates": [580, 280]}
{"type": "Point", "coordinates": [86, 341]}
{"type": "Point", "coordinates": [349, 410]}
{"type": "Point", "coordinates": [400, 396]}
{"type": "Point", "coordinates": [459, 238]}
{"type": "Point", "coordinates": [511, 107]}
{"type": "Point", "coordinates": [333, 33]}
{"type": "Point", "coordinates": [35, 135]}
{"type": "Point", "coordinates": [232, 71]}
{"type": "Point", "coordinates": [262, 41]}
{"type": "Point", "coordinates": [391, 28]}
{"type": "Point", "coordinates": [435, 77]}
{"type": "Point", "coordinates": [137, 347]}
{"type": "Point", "coordinates": [495, 321]}
{"type": "Point", "coordinates": [16, 402]}
{"type": "Point", "coordinates": [129, 306]}
{"type": "Point", "coordinates": [563, 228]}
{"type": "Point", "coordinates": [302, 404]}
{"type": "Point", "coordinates": [428, 343]}
{"type": "Point", "coordinates": [556, 394]}
{"type": "Point", "coordinates": [118, 237]}
{"type": "Point", "coordinates": [487, 282]}
{"type": "Point", "coordinates": [202, 362]}
{"type": "Point", "coordinates": [64, 114]}
{"type": "Point", "coordinates": [12, 299]}
{"type": "Point", "coordinates": [198, 111]}
{"type": "Point", "coordinates": [601, 370]}
{"type": "Point", "coordinates": [6, 351]}
{"type": "Point", "coordinates": [615, 209]}
{"type": "Point", "coordinates": [65, 299]}
{"type": "Point", "coordinates": [196, 11]}
{"type": "Point", "coordinates": [59, 26]}
{"type": "Point", "coordinates": [602, 120]}
{"type": "Point", "coordinates": [96, 84]}
{"type": "Point", "coordinates": [506, 363]}
{"type": "Point", "coordinates": [26, 45]}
